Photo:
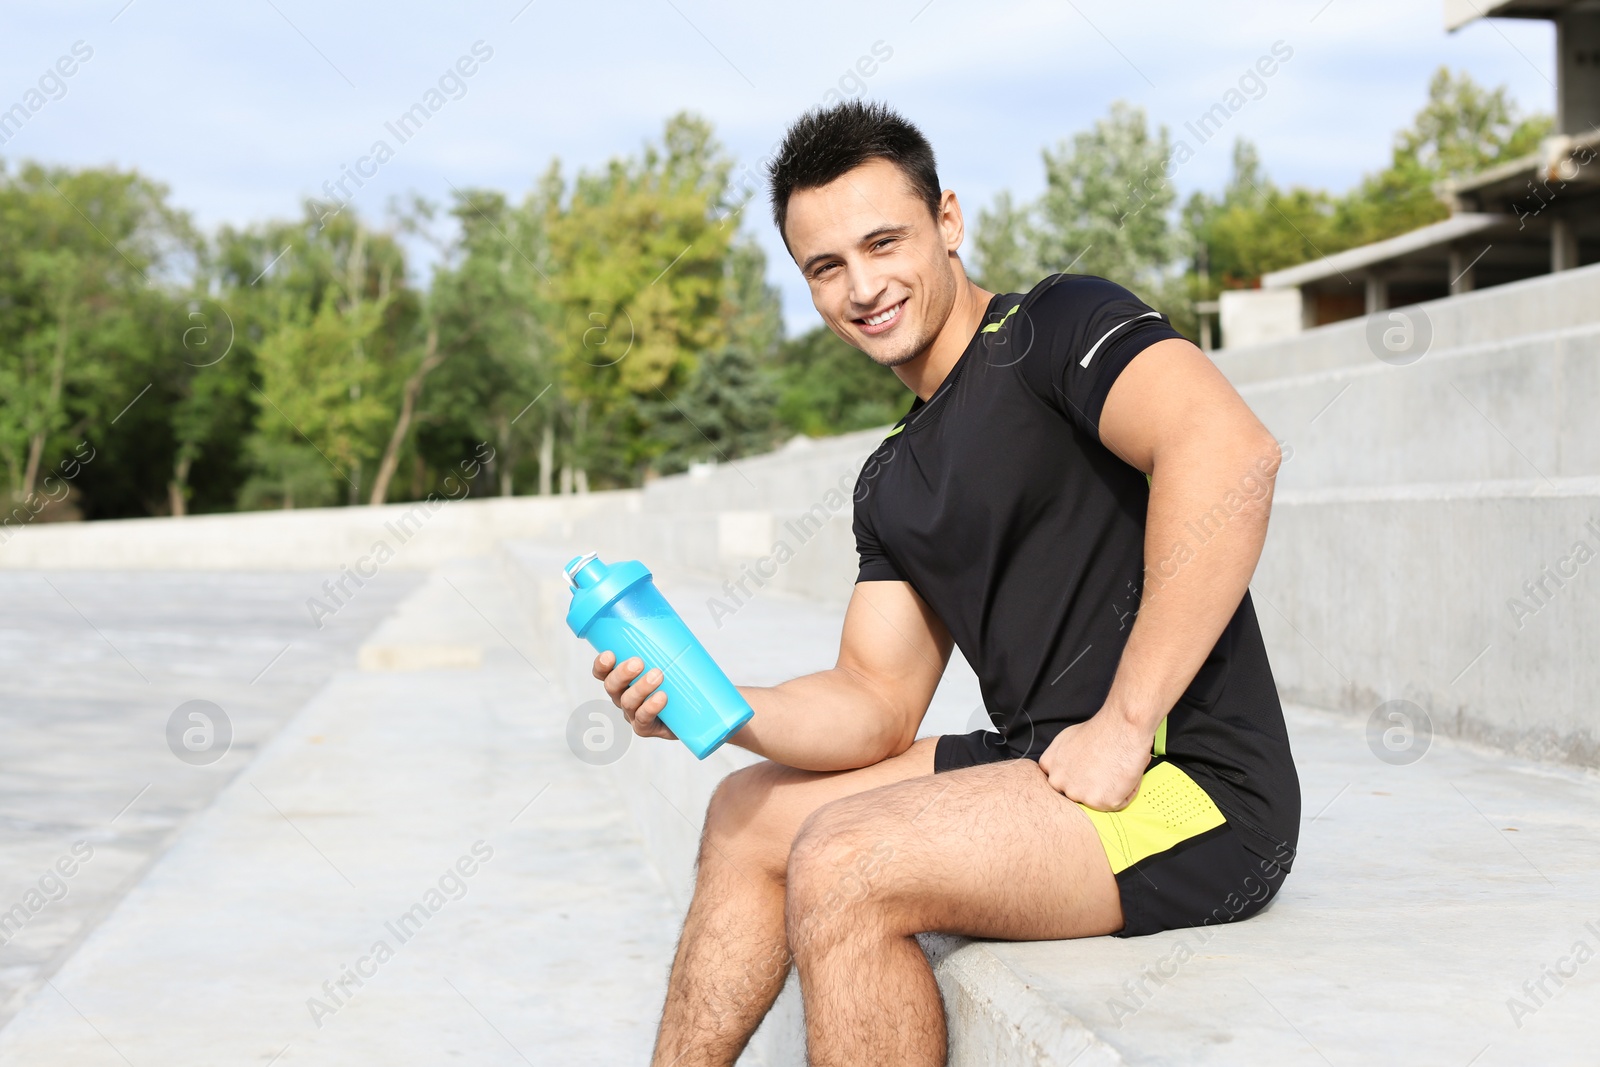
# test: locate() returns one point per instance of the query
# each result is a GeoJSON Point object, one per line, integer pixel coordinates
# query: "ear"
{"type": "Point", "coordinates": [952, 227]}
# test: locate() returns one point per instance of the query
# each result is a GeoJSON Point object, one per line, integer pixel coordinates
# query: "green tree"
{"type": "Point", "coordinates": [337, 324]}
{"type": "Point", "coordinates": [1106, 202]}
{"type": "Point", "coordinates": [83, 316]}
{"type": "Point", "coordinates": [1106, 210]}
{"type": "Point", "coordinates": [1256, 227]}
{"type": "Point", "coordinates": [827, 387]}
{"type": "Point", "coordinates": [1463, 128]}
{"type": "Point", "coordinates": [642, 248]}
{"type": "Point", "coordinates": [1005, 245]}
{"type": "Point", "coordinates": [727, 408]}
{"type": "Point", "coordinates": [497, 311]}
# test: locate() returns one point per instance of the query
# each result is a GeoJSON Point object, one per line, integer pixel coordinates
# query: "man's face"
{"type": "Point", "coordinates": [867, 246]}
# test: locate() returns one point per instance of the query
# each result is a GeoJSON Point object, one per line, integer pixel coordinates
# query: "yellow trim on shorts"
{"type": "Point", "coordinates": [1169, 808]}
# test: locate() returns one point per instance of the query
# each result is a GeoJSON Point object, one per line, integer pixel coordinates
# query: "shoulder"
{"type": "Point", "coordinates": [1068, 299]}
{"type": "Point", "coordinates": [1072, 314]}
{"type": "Point", "coordinates": [1065, 314]}
{"type": "Point", "coordinates": [1078, 331]}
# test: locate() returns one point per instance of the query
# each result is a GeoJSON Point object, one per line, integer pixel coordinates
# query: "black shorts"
{"type": "Point", "coordinates": [1176, 860]}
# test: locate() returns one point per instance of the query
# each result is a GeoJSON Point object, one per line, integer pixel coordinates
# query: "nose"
{"type": "Point", "coordinates": [867, 284]}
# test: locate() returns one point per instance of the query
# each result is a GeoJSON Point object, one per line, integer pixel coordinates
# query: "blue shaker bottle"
{"type": "Point", "coordinates": [618, 607]}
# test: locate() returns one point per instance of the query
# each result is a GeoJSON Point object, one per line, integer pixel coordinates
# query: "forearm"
{"type": "Point", "coordinates": [1205, 525]}
{"type": "Point", "coordinates": [826, 721]}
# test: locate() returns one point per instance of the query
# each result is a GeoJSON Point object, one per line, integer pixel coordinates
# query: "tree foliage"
{"type": "Point", "coordinates": [591, 331]}
{"type": "Point", "coordinates": [1255, 226]}
{"type": "Point", "coordinates": [1109, 208]}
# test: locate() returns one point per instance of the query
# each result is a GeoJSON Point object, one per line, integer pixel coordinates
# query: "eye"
{"type": "Point", "coordinates": [820, 271]}
{"type": "Point", "coordinates": [879, 244]}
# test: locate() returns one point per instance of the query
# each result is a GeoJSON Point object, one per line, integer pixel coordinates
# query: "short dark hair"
{"type": "Point", "coordinates": [824, 143]}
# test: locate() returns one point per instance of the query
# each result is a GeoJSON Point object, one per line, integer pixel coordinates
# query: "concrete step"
{"type": "Point", "coordinates": [1477, 602]}
{"type": "Point", "coordinates": [344, 541]}
{"type": "Point", "coordinates": [1547, 303]}
{"type": "Point", "coordinates": [1364, 595]}
{"type": "Point", "coordinates": [1524, 408]}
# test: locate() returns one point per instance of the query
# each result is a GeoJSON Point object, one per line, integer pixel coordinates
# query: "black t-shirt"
{"type": "Point", "coordinates": [997, 502]}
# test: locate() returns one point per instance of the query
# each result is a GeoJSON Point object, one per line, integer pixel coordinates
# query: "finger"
{"type": "Point", "coordinates": [650, 707]}
{"type": "Point", "coordinates": [618, 679]}
{"type": "Point", "coordinates": [646, 722]}
{"type": "Point", "coordinates": [641, 690]}
{"type": "Point", "coordinates": [652, 728]}
{"type": "Point", "coordinates": [603, 662]}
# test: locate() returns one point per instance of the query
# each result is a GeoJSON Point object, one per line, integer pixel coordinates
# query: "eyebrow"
{"type": "Point", "coordinates": [866, 238]}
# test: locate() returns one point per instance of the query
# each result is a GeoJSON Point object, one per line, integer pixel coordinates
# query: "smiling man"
{"type": "Point", "coordinates": [1077, 498]}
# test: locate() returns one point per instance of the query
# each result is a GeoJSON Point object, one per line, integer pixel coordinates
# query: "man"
{"type": "Point", "coordinates": [1077, 498]}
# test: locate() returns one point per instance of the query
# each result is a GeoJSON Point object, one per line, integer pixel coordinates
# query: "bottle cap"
{"type": "Point", "coordinates": [579, 574]}
{"type": "Point", "coordinates": [596, 586]}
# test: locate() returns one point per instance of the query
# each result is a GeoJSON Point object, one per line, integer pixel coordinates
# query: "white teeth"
{"type": "Point", "coordinates": [885, 317]}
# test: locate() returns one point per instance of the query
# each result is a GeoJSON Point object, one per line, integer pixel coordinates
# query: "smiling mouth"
{"type": "Point", "coordinates": [883, 319]}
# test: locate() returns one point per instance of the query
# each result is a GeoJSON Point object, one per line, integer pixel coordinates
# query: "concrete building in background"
{"type": "Point", "coordinates": [1535, 215]}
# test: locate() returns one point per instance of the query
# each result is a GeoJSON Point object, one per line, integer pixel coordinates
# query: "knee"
{"type": "Point", "coordinates": [738, 814]}
{"type": "Point", "coordinates": [836, 878]}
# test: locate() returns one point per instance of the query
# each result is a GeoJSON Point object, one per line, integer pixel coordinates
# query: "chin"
{"type": "Point", "coordinates": [897, 358]}
{"type": "Point", "coordinates": [893, 359]}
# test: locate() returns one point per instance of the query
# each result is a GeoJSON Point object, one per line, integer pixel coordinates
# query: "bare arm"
{"type": "Point", "coordinates": [1173, 415]}
{"type": "Point", "coordinates": [864, 709]}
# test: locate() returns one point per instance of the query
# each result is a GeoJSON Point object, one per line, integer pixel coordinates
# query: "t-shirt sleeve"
{"type": "Point", "coordinates": [875, 564]}
{"type": "Point", "coordinates": [1083, 331]}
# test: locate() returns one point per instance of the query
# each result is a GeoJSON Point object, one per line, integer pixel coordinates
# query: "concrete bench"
{"type": "Point", "coordinates": [1424, 897]}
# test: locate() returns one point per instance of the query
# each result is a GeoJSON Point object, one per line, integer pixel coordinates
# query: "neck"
{"type": "Point", "coordinates": [928, 371]}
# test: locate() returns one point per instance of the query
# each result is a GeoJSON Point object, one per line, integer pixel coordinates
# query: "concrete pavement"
{"type": "Point", "coordinates": [356, 825]}
{"type": "Point", "coordinates": [95, 666]}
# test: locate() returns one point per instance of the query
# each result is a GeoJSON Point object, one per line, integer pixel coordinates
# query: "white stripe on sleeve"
{"type": "Point", "coordinates": [1084, 362]}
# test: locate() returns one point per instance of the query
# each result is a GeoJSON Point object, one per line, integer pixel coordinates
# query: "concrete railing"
{"type": "Point", "coordinates": [415, 536]}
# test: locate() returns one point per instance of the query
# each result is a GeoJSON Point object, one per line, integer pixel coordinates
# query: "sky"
{"type": "Point", "coordinates": [246, 108]}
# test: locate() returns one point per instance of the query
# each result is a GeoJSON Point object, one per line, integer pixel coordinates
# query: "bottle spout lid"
{"type": "Point", "coordinates": [579, 572]}
{"type": "Point", "coordinates": [596, 585]}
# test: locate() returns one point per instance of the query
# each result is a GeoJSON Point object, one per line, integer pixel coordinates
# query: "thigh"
{"type": "Point", "coordinates": [759, 809]}
{"type": "Point", "coordinates": [986, 851]}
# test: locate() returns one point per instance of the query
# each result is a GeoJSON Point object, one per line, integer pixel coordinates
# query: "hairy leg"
{"type": "Point", "coordinates": [988, 851]}
{"type": "Point", "coordinates": [732, 957]}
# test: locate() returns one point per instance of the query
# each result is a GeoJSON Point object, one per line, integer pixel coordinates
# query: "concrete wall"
{"type": "Point", "coordinates": [795, 477]}
{"type": "Point", "coordinates": [1364, 595]}
{"type": "Point", "coordinates": [1258, 316]}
